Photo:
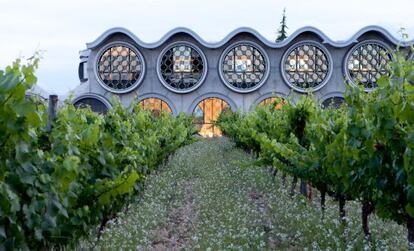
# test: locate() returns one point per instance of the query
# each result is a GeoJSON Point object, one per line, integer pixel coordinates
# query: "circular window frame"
{"type": "Point", "coordinates": [330, 65]}
{"type": "Point", "coordinates": [265, 76]}
{"type": "Point", "coordinates": [131, 47]}
{"type": "Point", "coordinates": [349, 79]}
{"type": "Point", "coordinates": [194, 47]}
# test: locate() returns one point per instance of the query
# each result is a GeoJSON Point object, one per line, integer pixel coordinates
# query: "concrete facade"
{"type": "Point", "coordinates": [213, 85]}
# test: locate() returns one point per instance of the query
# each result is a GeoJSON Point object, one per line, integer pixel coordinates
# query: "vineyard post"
{"type": "Point", "coordinates": [410, 227]}
{"type": "Point", "coordinates": [303, 188]}
{"type": "Point", "coordinates": [51, 114]}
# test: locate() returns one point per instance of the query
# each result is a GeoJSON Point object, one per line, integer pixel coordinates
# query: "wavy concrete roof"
{"type": "Point", "coordinates": [354, 39]}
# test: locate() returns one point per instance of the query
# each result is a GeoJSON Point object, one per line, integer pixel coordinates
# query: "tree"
{"type": "Point", "coordinates": [282, 33]}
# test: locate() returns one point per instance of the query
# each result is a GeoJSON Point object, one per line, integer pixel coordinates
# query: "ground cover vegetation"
{"type": "Point", "coordinates": [210, 196]}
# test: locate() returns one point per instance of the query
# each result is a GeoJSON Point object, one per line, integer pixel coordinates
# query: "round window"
{"type": "Point", "coordinates": [182, 67]}
{"type": "Point", "coordinates": [120, 67]}
{"type": "Point", "coordinates": [244, 67]}
{"type": "Point", "coordinates": [306, 65]}
{"type": "Point", "coordinates": [367, 62]}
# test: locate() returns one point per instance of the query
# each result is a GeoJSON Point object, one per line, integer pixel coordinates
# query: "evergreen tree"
{"type": "Point", "coordinates": [282, 32]}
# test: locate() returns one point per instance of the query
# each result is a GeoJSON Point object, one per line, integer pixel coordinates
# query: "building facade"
{"type": "Point", "coordinates": [183, 73]}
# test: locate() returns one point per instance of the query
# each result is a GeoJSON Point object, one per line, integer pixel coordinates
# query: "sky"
{"type": "Point", "coordinates": [60, 29]}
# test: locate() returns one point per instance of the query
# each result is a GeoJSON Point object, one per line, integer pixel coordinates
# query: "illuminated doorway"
{"type": "Point", "coordinates": [155, 105]}
{"type": "Point", "coordinates": [268, 101]}
{"type": "Point", "coordinates": [206, 113]}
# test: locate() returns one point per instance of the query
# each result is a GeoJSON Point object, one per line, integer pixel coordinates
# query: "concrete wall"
{"type": "Point", "coordinates": [213, 86]}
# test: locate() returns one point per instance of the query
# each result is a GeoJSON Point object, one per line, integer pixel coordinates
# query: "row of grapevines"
{"type": "Point", "coordinates": [55, 187]}
{"type": "Point", "coordinates": [362, 151]}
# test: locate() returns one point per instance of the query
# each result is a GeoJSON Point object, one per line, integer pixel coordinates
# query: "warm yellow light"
{"type": "Point", "coordinates": [209, 110]}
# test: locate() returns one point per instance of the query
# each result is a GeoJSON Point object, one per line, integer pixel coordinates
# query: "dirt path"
{"type": "Point", "coordinates": [175, 234]}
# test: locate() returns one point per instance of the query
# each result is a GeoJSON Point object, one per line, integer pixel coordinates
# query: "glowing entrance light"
{"type": "Point", "coordinates": [155, 105]}
{"type": "Point", "coordinates": [206, 113]}
{"type": "Point", "coordinates": [277, 101]}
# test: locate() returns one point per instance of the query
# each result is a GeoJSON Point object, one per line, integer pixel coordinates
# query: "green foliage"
{"type": "Point", "coordinates": [361, 151]}
{"type": "Point", "coordinates": [282, 32]}
{"type": "Point", "coordinates": [55, 187]}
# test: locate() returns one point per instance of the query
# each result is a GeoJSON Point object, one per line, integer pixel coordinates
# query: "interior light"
{"type": "Point", "coordinates": [242, 63]}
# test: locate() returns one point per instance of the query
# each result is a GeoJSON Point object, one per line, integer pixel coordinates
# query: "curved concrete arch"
{"type": "Point", "coordinates": [265, 96]}
{"type": "Point", "coordinates": [159, 96]}
{"type": "Point", "coordinates": [229, 101]}
{"type": "Point", "coordinates": [95, 96]}
{"type": "Point", "coordinates": [383, 32]}
{"type": "Point", "coordinates": [330, 95]}
{"type": "Point", "coordinates": [325, 39]}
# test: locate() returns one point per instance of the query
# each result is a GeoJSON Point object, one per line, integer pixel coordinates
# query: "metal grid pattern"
{"type": "Point", "coordinates": [334, 102]}
{"type": "Point", "coordinates": [306, 66]}
{"type": "Point", "coordinates": [244, 67]}
{"type": "Point", "coordinates": [367, 63]}
{"type": "Point", "coordinates": [120, 67]}
{"type": "Point", "coordinates": [95, 105]}
{"type": "Point", "coordinates": [182, 67]}
{"type": "Point", "coordinates": [206, 113]}
{"type": "Point", "coordinates": [155, 105]}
